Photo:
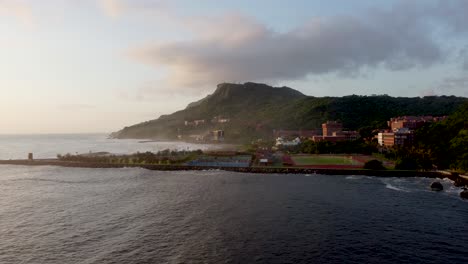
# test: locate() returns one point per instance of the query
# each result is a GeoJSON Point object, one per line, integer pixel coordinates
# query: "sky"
{"type": "Point", "coordinates": [87, 66]}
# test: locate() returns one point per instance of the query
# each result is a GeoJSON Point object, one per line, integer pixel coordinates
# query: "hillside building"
{"type": "Point", "coordinates": [280, 142]}
{"type": "Point", "coordinates": [398, 137]}
{"type": "Point", "coordinates": [194, 122]}
{"type": "Point", "coordinates": [333, 131]}
{"type": "Point", "coordinates": [401, 132]}
{"type": "Point", "coordinates": [331, 127]}
{"type": "Point", "coordinates": [220, 120]}
{"type": "Point", "coordinates": [412, 122]}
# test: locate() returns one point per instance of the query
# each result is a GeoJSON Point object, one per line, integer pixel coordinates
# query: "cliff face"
{"type": "Point", "coordinates": [253, 110]}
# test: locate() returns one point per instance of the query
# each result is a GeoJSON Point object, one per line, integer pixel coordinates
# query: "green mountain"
{"type": "Point", "coordinates": [255, 110]}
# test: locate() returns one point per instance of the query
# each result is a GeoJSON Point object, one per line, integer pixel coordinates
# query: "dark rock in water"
{"type": "Point", "coordinates": [464, 193]}
{"type": "Point", "coordinates": [437, 186]}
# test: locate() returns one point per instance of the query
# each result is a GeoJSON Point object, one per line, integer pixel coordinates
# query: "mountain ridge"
{"type": "Point", "coordinates": [254, 110]}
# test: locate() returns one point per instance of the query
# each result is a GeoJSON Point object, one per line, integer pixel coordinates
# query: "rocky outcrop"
{"type": "Point", "coordinates": [437, 186]}
{"type": "Point", "coordinates": [464, 193]}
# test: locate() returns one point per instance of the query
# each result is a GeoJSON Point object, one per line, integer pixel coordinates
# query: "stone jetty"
{"type": "Point", "coordinates": [265, 170]}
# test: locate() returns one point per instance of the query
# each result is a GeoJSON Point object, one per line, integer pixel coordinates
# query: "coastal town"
{"type": "Point", "coordinates": [284, 150]}
{"type": "Point", "coordinates": [400, 132]}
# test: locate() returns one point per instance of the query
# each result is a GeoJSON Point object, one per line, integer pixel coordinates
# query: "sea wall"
{"type": "Point", "coordinates": [268, 170]}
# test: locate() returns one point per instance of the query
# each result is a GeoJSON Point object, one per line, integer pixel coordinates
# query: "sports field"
{"type": "Point", "coordinates": [305, 160]}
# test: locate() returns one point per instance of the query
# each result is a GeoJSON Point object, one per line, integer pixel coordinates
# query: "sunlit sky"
{"type": "Point", "coordinates": [78, 66]}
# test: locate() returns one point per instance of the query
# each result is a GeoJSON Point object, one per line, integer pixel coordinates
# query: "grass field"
{"type": "Point", "coordinates": [303, 160]}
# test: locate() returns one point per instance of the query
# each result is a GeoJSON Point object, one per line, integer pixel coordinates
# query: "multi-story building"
{"type": "Point", "coordinates": [333, 131]}
{"type": "Point", "coordinates": [386, 139]}
{"type": "Point", "coordinates": [330, 127]}
{"type": "Point", "coordinates": [404, 137]}
{"type": "Point", "coordinates": [412, 122]}
{"type": "Point", "coordinates": [398, 137]}
{"type": "Point", "coordinates": [402, 128]}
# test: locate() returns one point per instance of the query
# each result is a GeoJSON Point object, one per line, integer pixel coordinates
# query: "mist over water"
{"type": "Point", "coordinates": [75, 215]}
{"type": "Point", "coordinates": [48, 146]}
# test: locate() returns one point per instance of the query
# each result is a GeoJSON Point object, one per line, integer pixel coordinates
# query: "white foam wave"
{"type": "Point", "coordinates": [391, 187]}
{"type": "Point", "coordinates": [394, 184]}
{"type": "Point", "coordinates": [357, 177]}
{"type": "Point", "coordinates": [447, 180]}
{"type": "Point", "coordinates": [354, 177]}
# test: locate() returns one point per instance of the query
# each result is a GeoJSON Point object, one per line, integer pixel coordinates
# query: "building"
{"type": "Point", "coordinates": [402, 128]}
{"type": "Point", "coordinates": [398, 137]}
{"type": "Point", "coordinates": [331, 127]}
{"type": "Point", "coordinates": [218, 135]}
{"type": "Point", "coordinates": [296, 133]}
{"type": "Point", "coordinates": [412, 122]}
{"type": "Point", "coordinates": [333, 131]}
{"type": "Point", "coordinates": [346, 135]}
{"type": "Point", "coordinates": [404, 137]}
{"type": "Point", "coordinates": [194, 122]}
{"type": "Point", "coordinates": [199, 122]}
{"type": "Point", "coordinates": [220, 120]}
{"type": "Point", "coordinates": [280, 142]}
{"type": "Point", "coordinates": [386, 139]}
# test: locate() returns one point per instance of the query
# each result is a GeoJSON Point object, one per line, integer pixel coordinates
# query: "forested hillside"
{"type": "Point", "coordinates": [255, 110]}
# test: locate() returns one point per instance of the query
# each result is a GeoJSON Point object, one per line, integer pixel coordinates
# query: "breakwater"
{"type": "Point", "coordinates": [460, 181]}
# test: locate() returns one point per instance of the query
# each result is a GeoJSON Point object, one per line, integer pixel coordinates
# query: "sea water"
{"type": "Point", "coordinates": [76, 215]}
{"type": "Point", "coordinates": [49, 145]}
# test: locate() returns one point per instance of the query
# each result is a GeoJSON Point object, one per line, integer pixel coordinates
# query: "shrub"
{"type": "Point", "coordinates": [374, 165]}
{"type": "Point", "coordinates": [406, 164]}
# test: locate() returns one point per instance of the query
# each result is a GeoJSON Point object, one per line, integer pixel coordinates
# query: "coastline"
{"type": "Point", "coordinates": [458, 180]}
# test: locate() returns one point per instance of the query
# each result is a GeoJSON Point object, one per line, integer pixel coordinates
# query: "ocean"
{"type": "Point", "coordinates": [47, 146]}
{"type": "Point", "coordinates": [130, 215]}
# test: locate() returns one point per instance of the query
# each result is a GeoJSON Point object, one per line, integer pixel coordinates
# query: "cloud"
{"type": "Point", "coordinates": [463, 57]}
{"type": "Point", "coordinates": [428, 92]}
{"type": "Point", "coordinates": [117, 8]}
{"type": "Point", "coordinates": [113, 8]}
{"type": "Point", "coordinates": [18, 9]}
{"type": "Point", "coordinates": [238, 48]}
{"type": "Point", "coordinates": [455, 83]}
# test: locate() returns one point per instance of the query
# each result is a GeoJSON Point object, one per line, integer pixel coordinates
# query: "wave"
{"type": "Point", "coordinates": [391, 187]}
{"type": "Point", "coordinates": [395, 184]}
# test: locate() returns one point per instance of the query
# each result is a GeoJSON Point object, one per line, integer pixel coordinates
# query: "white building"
{"type": "Point", "coordinates": [281, 142]}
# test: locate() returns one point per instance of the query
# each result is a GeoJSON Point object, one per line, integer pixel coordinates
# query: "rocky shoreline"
{"type": "Point", "coordinates": [459, 181]}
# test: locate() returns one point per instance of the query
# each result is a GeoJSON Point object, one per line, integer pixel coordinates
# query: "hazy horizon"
{"type": "Point", "coordinates": [95, 66]}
